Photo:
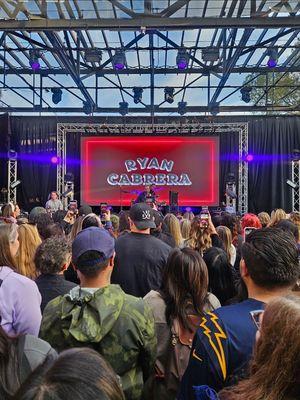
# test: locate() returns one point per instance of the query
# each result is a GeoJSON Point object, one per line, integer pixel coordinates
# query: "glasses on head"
{"type": "Point", "coordinates": [255, 316]}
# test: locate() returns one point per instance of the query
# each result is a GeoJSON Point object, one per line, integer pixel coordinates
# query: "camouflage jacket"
{"type": "Point", "coordinates": [118, 326]}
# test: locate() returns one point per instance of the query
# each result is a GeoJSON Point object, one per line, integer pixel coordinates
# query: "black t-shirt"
{"type": "Point", "coordinates": [139, 262]}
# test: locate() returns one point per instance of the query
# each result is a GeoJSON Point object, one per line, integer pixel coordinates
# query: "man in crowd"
{"type": "Point", "coordinates": [140, 257]}
{"type": "Point", "coordinates": [54, 204]}
{"type": "Point", "coordinates": [224, 342]}
{"type": "Point", "coordinates": [100, 315]}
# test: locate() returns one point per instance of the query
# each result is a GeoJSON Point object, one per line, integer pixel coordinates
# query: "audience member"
{"type": "Point", "coordinates": [226, 237]}
{"type": "Point", "coordinates": [140, 257]}
{"type": "Point", "coordinates": [264, 219]}
{"type": "Point", "coordinates": [34, 213]}
{"type": "Point", "coordinates": [188, 215]}
{"type": "Point", "coordinates": [288, 226]}
{"type": "Point", "coordinates": [115, 221]}
{"type": "Point", "coordinates": [58, 216]}
{"type": "Point", "coordinates": [158, 233]}
{"type": "Point", "coordinates": [220, 273]}
{"type": "Point", "coordinates": [11, 211]}
{"type": "Point", "coordinates": [100, 315]}
{"type": "Point", "coordinates": [223, 344]}
{"type": "Point", "coordinates": [185, 226]}
{"type": "Point", "coordinates": [54, 230]}
{"type": "Point", "coordinates": [29, 240]}
{"type": "Point", "coordinates": [124, 223]}
{"type": "Point", "coordinates": [177, 309]}
{"type": "Point", "coordinates": [173, 226]}
{"type": "Point", "coordinates": [274, 372]}
{"type": "Point", "coordinates": [84, 210]}
{"type": "Point", "coordinates": [20, 299]}
{"type": "Point", "coordinates": [52, 258]}
{"type": "Point", "coordinates": [250, 220]}
{"type": "Point", "coordinates": [19, 356]}
{"type": "Point", "coordinates": [276, 216]}
{"type": "Point", "coordinates": [76, 228]}
{"type": "Point", "coordinates": [91, 220]}
{"type": "Point", "coordinates": [77, 374]}
{"type": "Point", "coordinates": [295, 218]}
{"type": "Point", "coordinates": [43, 220]}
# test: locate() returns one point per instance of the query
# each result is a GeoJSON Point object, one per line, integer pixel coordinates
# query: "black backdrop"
{"type": "Point", "coordinates": [267, 135]}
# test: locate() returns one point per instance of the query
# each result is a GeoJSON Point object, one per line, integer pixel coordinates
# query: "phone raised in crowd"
{"type": "Point", "coordinates": [103, 211]}
{"type": "Point", "coordinates": [204, 216]}
{"type": "Point", "coordinates": [248, 230]}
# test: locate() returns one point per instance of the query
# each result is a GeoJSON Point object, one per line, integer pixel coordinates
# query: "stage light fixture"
{"type": "Point", "coordinates": [137, 94]}
{"type": "Point", "coordinates": [182, 59]}
{"type": "Point", "coordinates": [69, 177]}
{"type": "Point", "coordinates": [93, 55]}
{"type": "Point", "coordinates": [214, 108]}
{"type": "Point", "coordinates": [246, 93]}
{"type": "Point", "coordinates": [34, 56]}
{"type": "Point", "coordinates": [54, 160]}
{"type": "Point", "coordinates": [210, 54]}
{"type": "Point", "coordinates": [292, 184]}
{"type": "Point", "coordinates": [12, 155]}
{"type": "Point", "coordinates": [56, 95]}
{"type": "Point", "coordinates": [169, 95]}
{"type": "Point", "coordinates": [273, 57]}
{"type": "Point", "coordinates": [296, 155]}
{"type": "Point", "coordinates": [15, 184]}
{"type": "Point", "coordinates": [87, 107]}
{"type": "Point", "coordinates": [123, 108]}
{"type": "Point", "coordinates": [230, 178]}
{"type": "Point", "coordinates": [182, 107]}
{"type": "Point", "coordinates": [119, 59]}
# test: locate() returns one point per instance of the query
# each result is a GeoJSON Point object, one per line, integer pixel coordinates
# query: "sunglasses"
{"type": "Point", "coordinates": [255, 316]}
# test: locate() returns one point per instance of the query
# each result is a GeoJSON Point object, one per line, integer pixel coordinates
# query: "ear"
{"type": "Point", "coordinates": [74, 266]}
{"type": "Point", "coordinates": [112, 261]}
{"type": "Point", "coordinates": [243, 269]}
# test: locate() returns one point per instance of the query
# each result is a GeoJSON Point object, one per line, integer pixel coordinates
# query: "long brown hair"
{"type": "Point", "coordinates": [76, 228]}
{"type": "Point", "coordinates": [226, 237]}
{"type": "Point", "coordinates": [275, 369]}
{"type": "Point", "coordinates": [8, 234]}
{"type": "Point", "coordinates": [29, 239]}
{"type": "Point", "coordinates": [185, 282]}
{"type": "Point", "coordinates": [199, 239]}
{"type": "Point", "coordinates": [173, 225]}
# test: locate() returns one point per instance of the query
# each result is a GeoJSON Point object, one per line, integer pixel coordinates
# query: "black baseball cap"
{"type": "Point", "coordinates": [142, 216]}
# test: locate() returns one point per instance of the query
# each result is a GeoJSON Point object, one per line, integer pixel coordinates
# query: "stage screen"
{"type": "Point", "coordinates": [115, 169]}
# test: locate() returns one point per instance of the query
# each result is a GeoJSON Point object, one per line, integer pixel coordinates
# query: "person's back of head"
{"type": "Point", "coordinates": [226, 237]}
{"type": "Point", "coordinates": [188, 215]}
{"type": "Point", "coordinates": [274, 371]}
{"type": "Point", "coordinates": [58, 216]}
{"type": "Point", "coordinates": [185, 281]}
{"type": "Point", "coordinates": [173, 225]}
{"type": "Point", "coordinates": [251, 220]}
{"type": "Point", "coordinates": [7, 210]}
{"type": "Point", "coordinates": [200, 239]}
{"type": "Point", "coordinates": [85, 210]}
{"type": "Point", "coordinates": [34, 213]}
{"type": "Point", "coordinates": [43, 221]}
{"type": "Point", "coordinates": [264, 218]}
{"type": "Point", "coordinates": [91, 220]}
{"type": "Point", "coordinates": [124, 224]}
{"type": "Point", "coordinates": [53, 230]}
{"type": "Point", "coordinates": [231, 222]}
{"type": "Point", "coordinates": [271, 259]}
{"type": "Point", "coordinates": [76, 228]}
{"type": "Point", "coordinates": [288, 226]}
{"type": "Point", "coordinates": [220, 273]}
{"type": "Point", "coordinates": [115, 221]}
{"type": "Point", "coordinates": [77, 374]}
{"type": "Point", "coordinates": [276, 216]}
{"type": "Point", "coordinates": [53, 256]}
{"type": "Point", "coordinates": [8, 235]}
{"type": "Point", "coordinates": [185, 226]}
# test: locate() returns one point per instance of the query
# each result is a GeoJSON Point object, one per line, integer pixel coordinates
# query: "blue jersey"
{"type": "Point", "coordinates": [222, 348]}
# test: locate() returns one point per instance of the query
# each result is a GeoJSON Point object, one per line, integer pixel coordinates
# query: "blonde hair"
{"type": "Point", "coordinates": [226, 237]}
{"type": "Point", "coordinates": [264, 218]}
{"type": "Point", "coordinates": [173, 224]}
{"type": "Point", "coordinates": [29, 239]}
{"type": "Point", "coordinates": [295, 218]}
{"type": "Point", "coordinates": [200, 239]}
{"type": "Point", "coordinates": [276, 216]}
{"type": "Point", "coordinates": [185, 226]}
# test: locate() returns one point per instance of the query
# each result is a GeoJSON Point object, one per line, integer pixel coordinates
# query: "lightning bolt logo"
{"type": "Point", "coordinates": [217, 347]}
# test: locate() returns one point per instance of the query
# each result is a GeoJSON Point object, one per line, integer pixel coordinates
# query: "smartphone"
{"type": "Point", "coordinates": [204, 216]}
{"type": "Point", "coordinates": [248, 230]}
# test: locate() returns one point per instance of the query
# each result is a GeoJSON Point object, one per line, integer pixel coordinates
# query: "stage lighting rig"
{"type": "Point", "coordinates": [87, 107]}
{"type": "Point", "coordinates": [273, 57]}
{"type": "Point", "coordinates": [34, 55]}
{"type": "Point", "coordinates": [93, 55]}
{"type": "Point", "coordinates": [137, 94]}
{"type": "Point", "coordinates": [56, 95]}
{"type": "Point", "coordinates": [182, 59]}
{"type": "Point", "coordinates": [15, 184]}
{"type": "Point", "coordinates": [214, 108]}
{"type": "Point", "coordinates": [169, 95]}
{"type": "Point", "coordinates": [123, 108]}
{"type": "Point", "coordinates": [182, 107]}
{"type": "Point", "coordinates": [12, 155]}
{"type": "Point", "coordinates": [210, 54]}
{"type": "Point", "coordinates": [246, 93]}
{"type": "Point", "coordinates": [119, 59]}
{"type": "Point", "coordinates": [296, 155]}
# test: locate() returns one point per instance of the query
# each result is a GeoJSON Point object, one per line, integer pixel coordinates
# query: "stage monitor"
{"type": "Point", "coordinates": [115, 169]}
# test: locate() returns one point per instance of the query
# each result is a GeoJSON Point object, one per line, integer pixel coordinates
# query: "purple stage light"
{"type": "Point", "coordinates": [272, 63]}
{"type": "Point", "coordinates": [188, 209]}
{"type": "Point", "coordinates": [119, 66]}
{"type": "Point", "coordinates": [182, 59]}
{"type": "Point", "coordinates": [182, 64]}
{"type": "Point", "coordinates": [35, 65]}
{"type": "Point", "coordinates": [54, 160]}
{"type": "Point", "coordinates": [249, 157]}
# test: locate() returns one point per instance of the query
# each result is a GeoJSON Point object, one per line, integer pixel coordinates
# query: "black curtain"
{"type": "Point", "coordinates": [276, 136]}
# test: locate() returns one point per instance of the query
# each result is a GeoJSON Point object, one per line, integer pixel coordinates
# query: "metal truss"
{"type": "Point", "coordinates": [63, 129]}
{"type": "Point", "coordinates": [296, 191]}
{"type": "Point", "coordinates": [12, 173]}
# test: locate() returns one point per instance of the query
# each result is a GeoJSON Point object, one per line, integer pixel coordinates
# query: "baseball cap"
{"type": "Point", "coordinates": [142, 216]}
{"type": "Point", "coordinates": [93, 238]}
{"type": "Point", "coordinates": [85, 210]}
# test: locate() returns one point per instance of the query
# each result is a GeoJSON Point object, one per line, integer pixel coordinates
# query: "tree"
{"type": "Point", "coordinates": [274, 88]}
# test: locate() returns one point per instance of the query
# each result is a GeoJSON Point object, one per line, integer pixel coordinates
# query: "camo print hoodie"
{"type": "Point", "coordinates": [118, 326]}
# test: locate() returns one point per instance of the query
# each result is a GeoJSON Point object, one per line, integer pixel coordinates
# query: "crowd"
{"type": "Point", "coordinates": [144, 306]}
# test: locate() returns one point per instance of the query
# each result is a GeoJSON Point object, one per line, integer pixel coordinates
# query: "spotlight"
{"type": "Point", "coordinates": [87, 107]}
{"type": "Point", "coordinates": [249, 157]}
{"type": "Point", "coordinates": [182, 59]}
{"type": "Point", "coordinates": [119, 59]}
{"type": "Point", "coordinates": [245, 92]}
{"type": "Point", "coordinates": [214, 108]}
{"type": "Point", "coordinates": [54, 160]}
{"type": "Point", "coordinates": [93, 55]}
{"type": "Point", "coordinates": [230, 177]}
{"type": "Point", "coordinates": [210, 54]}
{"type": "Point", "coordinates": [169, 95]}
{"type": "Point", "coordinates": [273, 57]}
{"type": "Point", "coordinates": [12, 155]}
{"type": "Point", "coordinates": [34, 56]}
{"type": "Point", "coordinates": [69, 177]}
{"type": "Point", "coordinates": [292, 184]}
{"type": "Point", "coordinates": [138, 94]}
{"type": "Point", "coordinates": [56, 95]}
{"type": "Point", "coordinates": [123, 108]}
{"type": "Point", "coordinates": [15, 184]}
{"type": "Point", "coordinates": [182, 107]}
{"type": "Point", "coordinates": [296, 155]}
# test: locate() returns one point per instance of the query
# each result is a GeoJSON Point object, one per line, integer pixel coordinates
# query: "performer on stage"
{"type": "Point", "coordinates": [148, 195]}
{"type": "Point", "coordinates": [54, 204]}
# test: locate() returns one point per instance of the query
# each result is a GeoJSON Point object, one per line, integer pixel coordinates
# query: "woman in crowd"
{"type": "Point", "coordinates": [177, 310]}
{"type": "Point", "coordinates": [221, 274]}
{"type": "Point", "coordinates": [77, 374]}
{"type": "Point", "coordinates": [29, 240]}
{"type": "Point", "coordinates": [91, 220]}
{"type": "Point", "coordinates": [173, 226]}
{"type": "Point", "coordinates": [189, 215]}
{"type": "Point", "coordinates": [19, 296]}
{"type": "Point", "coordinates": [250, 220]}
{"type": "Point", "coordinates": [274, 372]}
{"type": "Point", "coordinates": [76, 228]}
{"type": "Point", "coordinates": [185, 226]}
{"type": "Point", "coordinates": [276, 216]}
{"type": "Point", "coordinates": [295, 218]}
{"type": "Point", "coordinates": [124, 224]}
{"type": "Point", "coordinates": [10, 211]}
{"type": "Point", "coordinates": [19, 356]}
{"type": "Point", "coordinates": [226, 237]}
{"type": "Point", "coordinates": [264, 218]}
